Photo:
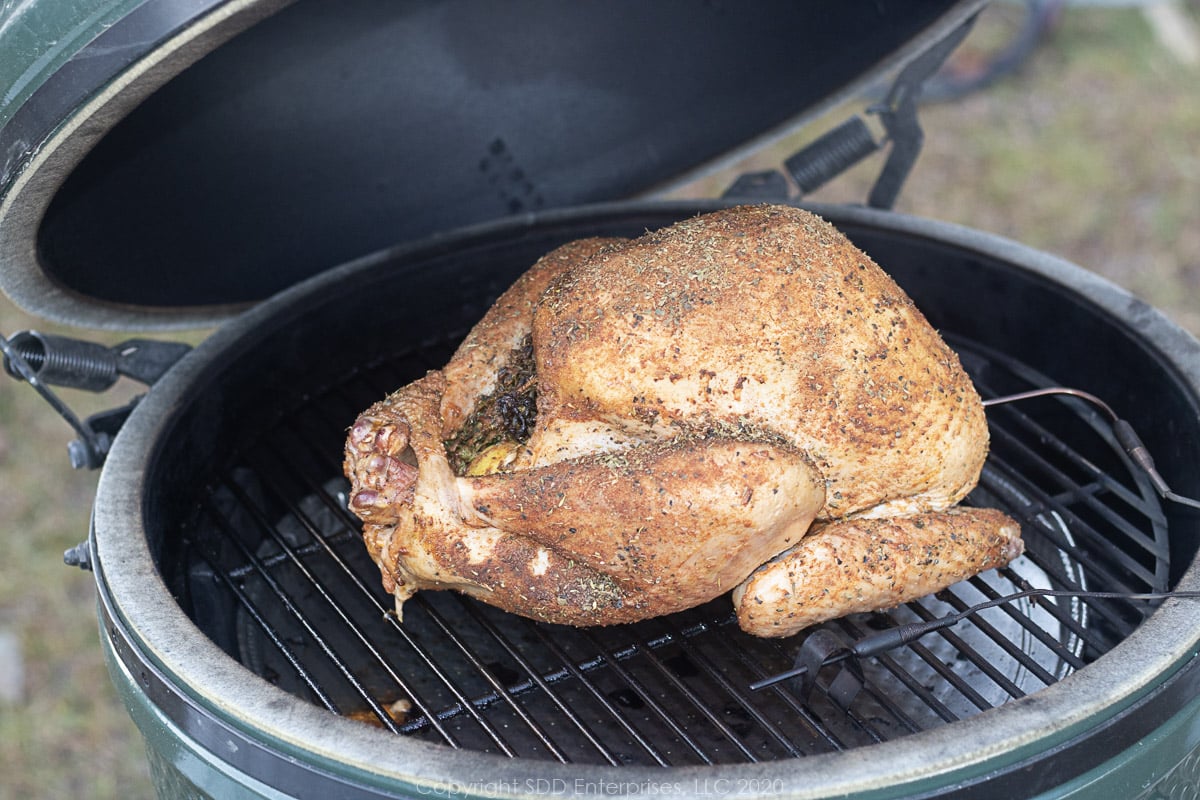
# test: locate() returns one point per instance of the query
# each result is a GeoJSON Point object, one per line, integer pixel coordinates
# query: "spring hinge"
{"type": "Point", "coordinates": [853, 140]}
{"type": "Point", "coordinates": [42, 360]}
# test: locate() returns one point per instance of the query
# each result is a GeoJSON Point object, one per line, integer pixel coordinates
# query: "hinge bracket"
{"type": "Point", "coordinates": [41, 360]}
{"type": "Point", "coordinates": [850, 142]}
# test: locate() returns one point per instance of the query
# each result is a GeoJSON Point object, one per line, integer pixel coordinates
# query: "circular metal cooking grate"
{"type": "Point", "coordinates": [274, 571]}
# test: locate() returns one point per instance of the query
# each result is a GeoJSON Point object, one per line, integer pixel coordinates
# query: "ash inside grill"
{"type": "Point", "coordinates": [273, 569]}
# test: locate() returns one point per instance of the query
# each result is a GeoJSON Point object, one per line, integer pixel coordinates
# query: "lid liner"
{"type": "Point", "coordinates": [330, 130]}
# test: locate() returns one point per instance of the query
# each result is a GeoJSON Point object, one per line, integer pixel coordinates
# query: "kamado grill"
{"type": "Point", "coordinates": [166, 164]}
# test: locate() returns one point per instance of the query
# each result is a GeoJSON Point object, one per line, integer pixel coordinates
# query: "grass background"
{"type": "Point", "coordinates": [1091, 152]}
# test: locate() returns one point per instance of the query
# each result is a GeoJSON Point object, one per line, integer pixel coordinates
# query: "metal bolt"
{"type": "Point", "coordinates": [79, 556]}
{"type": "Point", "coordinates": [77, 451]}
{"type": "Point", "coordinates": [85, 456]}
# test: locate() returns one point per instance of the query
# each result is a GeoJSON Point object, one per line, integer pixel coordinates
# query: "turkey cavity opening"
{"type": "Point", "coordinates": [501, 421]}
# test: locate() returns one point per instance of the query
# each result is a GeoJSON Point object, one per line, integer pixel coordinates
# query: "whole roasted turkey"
{"type": "Point", "coordinates": [741, 401]}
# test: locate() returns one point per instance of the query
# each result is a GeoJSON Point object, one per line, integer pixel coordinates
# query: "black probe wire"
{"type": "Point", "coordinates": [901, 635]}
{"type": "Point", "coordinates": [1126, 437]}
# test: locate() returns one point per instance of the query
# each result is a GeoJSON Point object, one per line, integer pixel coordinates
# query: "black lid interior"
{"type": "Point", "coordinates": [330, 130]}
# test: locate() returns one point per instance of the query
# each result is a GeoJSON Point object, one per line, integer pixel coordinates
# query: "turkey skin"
{"type": "Point", "coordinates": [741, 401]}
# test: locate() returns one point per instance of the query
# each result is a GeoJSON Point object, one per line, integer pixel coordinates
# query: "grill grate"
{"type": "Point", "coordinates": [277, 575]}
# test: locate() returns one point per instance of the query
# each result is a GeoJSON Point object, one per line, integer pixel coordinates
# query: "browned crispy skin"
{"type": "Point", "coordinates": [858, 565]}
{"type": "Point", "coordinates": [695, 516]}
{"type": "Point", "coordinates": [671, 524]}
{"type": "Point", "coordinates": [767, 317]}
{"type": "Point", "coordinates": [703, 393]}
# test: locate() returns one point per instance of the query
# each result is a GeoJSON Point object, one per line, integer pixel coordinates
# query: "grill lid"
{"type": "Point", "coordinates": [164, 163]}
